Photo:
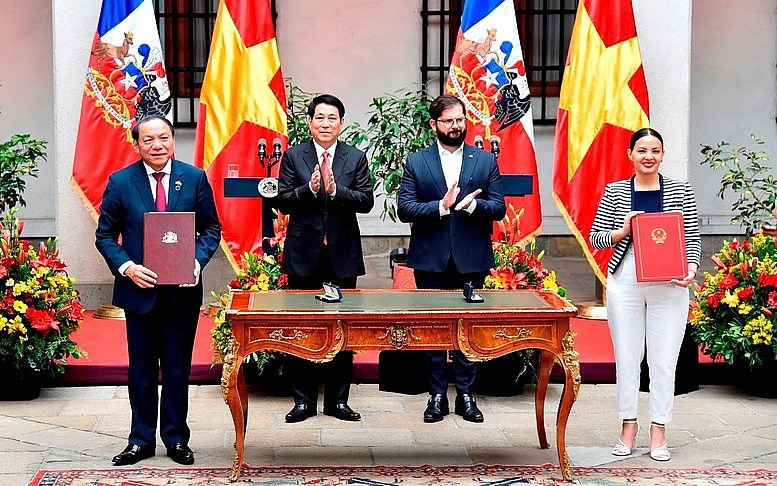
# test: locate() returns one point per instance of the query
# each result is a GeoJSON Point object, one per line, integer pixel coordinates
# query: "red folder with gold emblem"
{"type": "Point", "coordinates": [168, 247]}
{"type": "Point", "coordinates": [659, 246]}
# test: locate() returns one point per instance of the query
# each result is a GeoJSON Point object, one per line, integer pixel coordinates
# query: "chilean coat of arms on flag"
{"type": "Point", "coordinates": [488, 74]}
{"type": "Point", "coordinates": [125, 82]}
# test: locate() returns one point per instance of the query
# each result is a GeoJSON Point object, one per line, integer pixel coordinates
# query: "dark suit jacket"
{"type": "Point", "coordinates": [312, 215]}
{"type": "Point", "coordinates": [467, 237]}
{"type": "Point", "coordinates": [127, 197]}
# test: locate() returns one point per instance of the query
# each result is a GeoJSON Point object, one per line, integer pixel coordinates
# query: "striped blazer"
{"type": "Point", "coordinates": [616, 203]}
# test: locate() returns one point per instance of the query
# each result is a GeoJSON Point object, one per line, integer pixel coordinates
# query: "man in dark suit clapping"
{"type": "Point", "coordinates": [161, 319]}
{"type": "Point", "coordinates": [322, 184]}
{"type": "Point", "coordinates": [451, 192]}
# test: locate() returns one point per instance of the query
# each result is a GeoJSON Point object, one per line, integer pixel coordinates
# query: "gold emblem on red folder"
{"type": "Point", "coordinates": [658, 235]}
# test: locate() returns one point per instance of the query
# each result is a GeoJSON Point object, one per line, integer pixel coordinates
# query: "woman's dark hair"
{"type": "Point", "coordinates": [136, 128]}
{"type": "Point", "coordinates": [326, 99]}
{"type": "Point", "coordinates": [442, 103]}
{"type": "Point", "coordinates": [645, 132]}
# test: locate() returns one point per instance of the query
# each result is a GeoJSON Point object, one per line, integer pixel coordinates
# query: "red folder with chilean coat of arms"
{"type": "Point", "coordinates": [659, 246]}
{"type": "Point", "coordinates": [168, 246]}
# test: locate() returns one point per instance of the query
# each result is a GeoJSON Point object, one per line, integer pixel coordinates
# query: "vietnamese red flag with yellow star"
{"type": "Point", "coordinates": [488, 74]}
{"type": "Point", "coordinates": [603, 101]}
{"type": "Point", "coordinates": [242, 100]}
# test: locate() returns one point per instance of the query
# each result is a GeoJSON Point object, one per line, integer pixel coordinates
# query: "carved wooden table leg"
{"type": "Point", "coordinates": [571, 364]}
{"type": "Point", "coordinates": [543, 378]}
{"type": "Point", "coordinates": [233, 390]}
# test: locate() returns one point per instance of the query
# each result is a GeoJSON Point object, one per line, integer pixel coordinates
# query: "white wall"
{"type": "Point", "coordinates": [355, 50]}
{"type": "Point", "coordinates": [26, 100]}
{"type": "Point", "coordinates": [734, 91]}
{"type": "Point", "coordinates": [74, 25]}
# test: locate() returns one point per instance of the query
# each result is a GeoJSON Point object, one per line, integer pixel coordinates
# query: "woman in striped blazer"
{"type": "Point", "coordinates": [640, 315]}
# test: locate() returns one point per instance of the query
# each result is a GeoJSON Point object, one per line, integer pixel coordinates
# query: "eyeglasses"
{"type": "Point", "coordinates": [451, 121]}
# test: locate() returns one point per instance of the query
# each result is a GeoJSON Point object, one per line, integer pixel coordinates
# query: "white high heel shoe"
{"type": "Point", "coordinates": [621, 449]}
{"type": "Point", "coordinates": [660, 453]}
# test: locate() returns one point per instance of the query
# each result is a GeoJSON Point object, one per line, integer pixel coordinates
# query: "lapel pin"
{"type": "Point", "coordinates": [178, 185]}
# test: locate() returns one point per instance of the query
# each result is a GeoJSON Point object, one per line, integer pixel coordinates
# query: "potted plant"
{"type": "Point", "coordinates": [750, 178]}
{"type": "Point", "coordinates": [39, 307]}
{"type": "Point", "coordinates": [733, 316]}
{"type": "Point", "coordinates": [516, 267]}
{"type": "Point", "coordinates": [398, 126]}
{"type": "Point", "coordinates": [39, 311]}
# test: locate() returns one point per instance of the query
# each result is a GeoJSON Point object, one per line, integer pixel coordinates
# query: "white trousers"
{"type": "Point", "coordinates": [640, 314]}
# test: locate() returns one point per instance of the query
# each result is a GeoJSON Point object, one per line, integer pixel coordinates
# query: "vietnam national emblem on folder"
{"type": "Point", "coordinates": [659, 246]}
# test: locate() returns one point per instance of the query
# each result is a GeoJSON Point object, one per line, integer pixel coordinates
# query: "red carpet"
{"type": "Point", "coordinates": [105, 341]}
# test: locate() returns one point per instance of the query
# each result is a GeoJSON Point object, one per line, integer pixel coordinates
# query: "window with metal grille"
{"type": "Point", "coordinates": [185, 30]}
{"type": "Point", "coordinates": [545, 27]}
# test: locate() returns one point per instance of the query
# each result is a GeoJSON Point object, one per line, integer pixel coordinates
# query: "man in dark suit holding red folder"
{"type": "Point", "coordinates": [161, 320]}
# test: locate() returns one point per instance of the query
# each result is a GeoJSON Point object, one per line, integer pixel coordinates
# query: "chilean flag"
{"type": "Point", "coordinates": [125, 81]}
{"type": "Point", "coordinates": [488, 74]}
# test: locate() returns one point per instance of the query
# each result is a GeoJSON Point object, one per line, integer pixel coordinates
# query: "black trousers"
{"type": "Point", "coordinates": [161, 340]}
{"type": "Point", "coordinates": [464, 370]}
{"type": "Point", "coordinates": [336, 375]}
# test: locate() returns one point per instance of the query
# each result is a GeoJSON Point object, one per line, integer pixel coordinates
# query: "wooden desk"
{"type": "Point", "coordinates": [296, 323]}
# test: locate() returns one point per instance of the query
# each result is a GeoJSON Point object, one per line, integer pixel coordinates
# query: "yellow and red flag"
{"type": "Point", "coordinates": [603, 101]}
{"type": "Point", "coordinates": [488, 74]}
{"type": "Point", "coordinates": [242, 100]}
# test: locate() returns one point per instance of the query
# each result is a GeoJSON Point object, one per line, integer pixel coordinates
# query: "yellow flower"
{"type": "Point", "coordinates": [759, 330]}
{"type": "Point", "coordinates": [731, 299]}
{"type": "Point", "coordinates": [19, 306]}
{"type": "Point", "coordinates": [550, 282]}
{"type": "Point", "coordinates": [745, 309]}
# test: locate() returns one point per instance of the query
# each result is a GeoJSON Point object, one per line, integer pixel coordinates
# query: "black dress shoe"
{"type": "Point", "coordinates": [343, 412]}
{"type": "Point", "coordinates": [132, 454]}
{"type": "Point", "coordinates": [300, 412]}
{"type": "Point", "coordinates": [467, 408]}
{"type": "Point", "coordinates": [181, 454]}
{"type": "Point", "coordinates": [436, 408]}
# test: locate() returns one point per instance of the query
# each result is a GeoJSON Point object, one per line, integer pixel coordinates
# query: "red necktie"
{"type": "Point", "coordinates": [161, 200]}
{"type": "Point", "coordinates": [326, 169]}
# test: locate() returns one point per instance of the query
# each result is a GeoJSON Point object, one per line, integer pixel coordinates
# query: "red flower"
{"type": "Point", "coordinates": [746, 293]}
{"type": "Point", "coordinates": [733, 245]}
{"type": "Point", "coordinates": [234, 284]}
{"type": "Point", "coordinates": [713, 301]}
{"type": "Point", "coordinates": [41, 320]}
{"type": "Point", "coordinates": [771, 301]}
{"type": "Point", "coordinates": [766, 280]}
{"type": "Point", "coordinates": [728, 282]}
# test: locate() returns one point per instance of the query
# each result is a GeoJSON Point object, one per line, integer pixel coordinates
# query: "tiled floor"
{"type": "Point", "coordinates": [84, 427]}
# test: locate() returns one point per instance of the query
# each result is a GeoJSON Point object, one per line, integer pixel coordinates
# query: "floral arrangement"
{"type": "Point", "coordinates": [39, 307]}
{"type": "Point", "coordinates": [257, 271]}
{"type": "Point", "coordinates": [517, 267]}
{"type": "Point", "coordinates": [734, 313]}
